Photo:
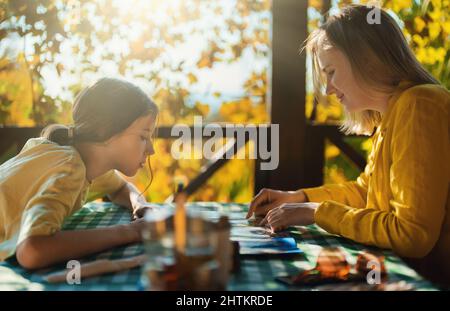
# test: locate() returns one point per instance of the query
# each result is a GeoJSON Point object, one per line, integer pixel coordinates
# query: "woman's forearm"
{"type": "Point", "coordinates": [42, 251]}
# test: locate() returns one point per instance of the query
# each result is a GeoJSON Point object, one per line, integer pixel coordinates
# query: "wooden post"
{"type": "Point", "coordinates": [314, 156]}
{"type": "Point", "coordinates": [288, 90]}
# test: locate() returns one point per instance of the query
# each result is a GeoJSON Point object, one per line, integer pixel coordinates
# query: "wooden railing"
{"type": "Point", "coordinates": [316, 136]}
{"type": "Point", "coordinates": [301, 141]}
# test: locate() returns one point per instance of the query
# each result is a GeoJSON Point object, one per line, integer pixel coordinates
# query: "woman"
{"type": "Point", "coordinates": [401, 200]}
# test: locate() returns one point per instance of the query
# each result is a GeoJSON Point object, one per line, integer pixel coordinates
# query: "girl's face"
{"type": "Point", "coordinates": [131, 147]}
{"type": "Point", "coordinates": [342, 82]}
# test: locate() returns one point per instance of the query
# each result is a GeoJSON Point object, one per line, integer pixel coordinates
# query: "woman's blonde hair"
{"type": "Point", "coordinates": [378, 53]}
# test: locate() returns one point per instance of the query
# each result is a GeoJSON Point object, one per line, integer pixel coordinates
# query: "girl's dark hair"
{"type": "Point", "coordinates": [101, 111]}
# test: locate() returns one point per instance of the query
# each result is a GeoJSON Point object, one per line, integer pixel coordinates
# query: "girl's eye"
{"type": "Point", "coordinates": [331, 72]}
{"type": "Point", "coordinates": [143, 138]}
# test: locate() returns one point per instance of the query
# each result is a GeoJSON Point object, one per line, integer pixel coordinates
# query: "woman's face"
{"type": "Point", "coordinates": [131, 147]}
{"type": "Point", "coordinates": [342, 82]}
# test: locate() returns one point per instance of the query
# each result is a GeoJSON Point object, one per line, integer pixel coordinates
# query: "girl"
{"type": "Point", "coordinates": [54, 175]}
{"type": "Point", "coordinates": [401, 200]}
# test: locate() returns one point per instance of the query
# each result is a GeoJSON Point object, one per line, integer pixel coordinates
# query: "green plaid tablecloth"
{"type": "Point", "coordinates": [256, 273]}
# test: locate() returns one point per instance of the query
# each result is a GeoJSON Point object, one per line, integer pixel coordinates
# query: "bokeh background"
{"type": "Point", "coordinates": [193, 57]}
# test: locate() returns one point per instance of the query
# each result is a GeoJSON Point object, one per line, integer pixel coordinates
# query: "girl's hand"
{"type": "Point", "coordinates": [140, 208]}
{"type": "Point", "coordinates": [136, 227]}
{"type": "Point", "coordinates": [268, 199]}
{"type": "Point", "coordinates": [288, 215]}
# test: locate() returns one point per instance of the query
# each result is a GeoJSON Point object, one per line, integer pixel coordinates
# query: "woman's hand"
{"type": "Point", "coordinates": [287, 215]}
{"type": "Point", "coordinates": [268, 199]}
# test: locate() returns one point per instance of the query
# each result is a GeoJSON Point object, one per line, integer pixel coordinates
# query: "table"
{"type": "Point", "coordinates": [256, 273]}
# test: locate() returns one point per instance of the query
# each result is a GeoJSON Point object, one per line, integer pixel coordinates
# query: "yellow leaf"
{"type": "Point", "coordinates": [434, 30]}
{"type": "Point", "coordinates": [367, 145]}
{"type": "Point", "coordinates": [421, 42]}
{"type": "Point", "coordinates": [205, 61]}
{"type": "Point", "coordinates": [18, 79]}
{"type": "Point", "coordinates": [437, 4]}
{"type": "Point", "coordinates": [202, 108]}
{"type": "Point", "coordinates": [331, 151]}
{"type": "Point", "coordinates": [419, 24]}
{"type": "Point", "coordinates": [446, 27]}
{"type": "Point", "coordinates": [317, 4]}
{"type": "Point", "coordinates": [399, 5]}
{"type": "Point", "coordinates": [435, 14]}
{"type": "Point", "coordinates": [192, 78]}
{"type": "Point", "coordinates": [421, 55]}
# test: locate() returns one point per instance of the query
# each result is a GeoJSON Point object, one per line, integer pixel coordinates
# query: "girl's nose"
{"type": "Point", "coordinates": [150, 150]}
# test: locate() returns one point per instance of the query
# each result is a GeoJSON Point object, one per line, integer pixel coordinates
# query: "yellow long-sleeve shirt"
{"type": "Point", "coordinates": [401, 200]}
{"type": "Point", "coordinates": [40, 187]}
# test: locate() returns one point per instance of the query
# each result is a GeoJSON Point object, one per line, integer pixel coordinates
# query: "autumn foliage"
{"type": "Point", "coordinates": [51, 49]}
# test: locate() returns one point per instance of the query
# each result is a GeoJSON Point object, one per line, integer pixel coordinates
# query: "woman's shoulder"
{"type": "Point", "coordinates": [425, 91]}
{"type": "Point", "coordinates": [424, 97]}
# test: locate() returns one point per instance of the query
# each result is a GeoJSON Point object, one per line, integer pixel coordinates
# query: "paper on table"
{"type": "Point", "coordinates": [256, 232]}
{"type": "Point", "coordinates": [261, 240]}
{"type": "Point", "coordinates": [286, 245]}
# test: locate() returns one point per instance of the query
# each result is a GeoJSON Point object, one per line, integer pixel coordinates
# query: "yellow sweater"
{"type": "Point", "coordinates": [40, 187]}
{"type": "Point", "coordinates": [401, 200]}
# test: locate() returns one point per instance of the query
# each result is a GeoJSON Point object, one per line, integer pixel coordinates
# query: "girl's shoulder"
{"type": "Point", "coordinates": [40, 150]}
{"type": "Point", "coordinates": [39, 143]}
{"type": "Point", "coordinates": [43, 163]}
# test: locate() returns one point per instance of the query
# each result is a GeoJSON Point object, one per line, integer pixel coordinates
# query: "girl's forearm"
{"type": "Point", "coordinates": [42, 251]}
{"type": "Point", "coordinates": [128, 196]}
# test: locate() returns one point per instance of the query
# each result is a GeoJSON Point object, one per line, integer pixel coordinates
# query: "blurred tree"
{"type": "Point", "coordinates": [78, 41]}
{"type": "Point", "coordinates": [75, 42]}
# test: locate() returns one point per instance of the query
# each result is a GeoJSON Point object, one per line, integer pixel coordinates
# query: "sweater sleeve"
{"type": "Point", "coordinates": [352, 193]}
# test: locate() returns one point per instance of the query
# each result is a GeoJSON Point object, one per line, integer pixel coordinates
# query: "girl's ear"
{"type": "Point", "coordinates": [113, 138]}
{"type": "Point", "coordinates": [108, 141]}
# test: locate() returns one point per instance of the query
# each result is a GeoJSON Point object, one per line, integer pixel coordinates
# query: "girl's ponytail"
{"type": "Point", "coordinates": [61, 134]}
{"type": "Point", "coordinates": [101, 111]}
